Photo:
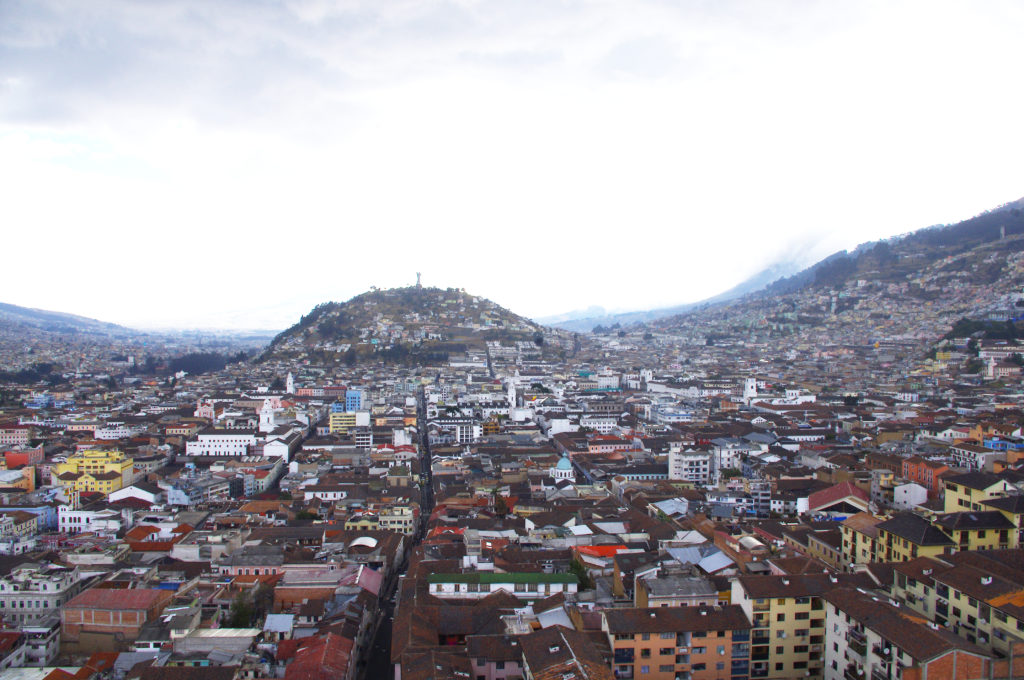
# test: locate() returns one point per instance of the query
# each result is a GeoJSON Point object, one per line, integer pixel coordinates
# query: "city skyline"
{"type": "Point", "coordinates": [231, 166]}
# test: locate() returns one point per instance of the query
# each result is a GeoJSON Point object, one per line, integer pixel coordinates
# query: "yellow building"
{"type": "Point", "coordinates": [364, 522]}
{"type": "Point", "coordinates": [979, 530]}
{"type": "Point", "coordinates": [859, 539]}
{"type": "Point", "coordinates": [970, 490]}
{"type": "Point", "coordinates": [977, 595]}
{"type": "Point", "coordinates": [23, 478]}
{"type": "Point", "coordinates": [100, 470]}
{"type": "Point", "coordinates": [907, 536]}
{"type": "Point", "coordinates": [788, 639]}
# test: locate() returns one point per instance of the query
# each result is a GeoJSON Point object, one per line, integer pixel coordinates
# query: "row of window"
{"type": "Point", "coordinates": [26, 604]}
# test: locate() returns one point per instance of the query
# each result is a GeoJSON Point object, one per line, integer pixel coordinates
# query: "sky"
{"type": "Point", "coordinates": [231, 164]}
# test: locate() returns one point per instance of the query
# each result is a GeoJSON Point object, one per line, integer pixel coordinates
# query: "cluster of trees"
{"type": "Point", "coordinates": [992, 330]}
{"type": "Point", "coordinates": [197, 363]}
{"type": "Point", "coordinates": [38, 372]}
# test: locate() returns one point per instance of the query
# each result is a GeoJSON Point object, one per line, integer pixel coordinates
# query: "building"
{"type": "Point", "coordinates": [976, 595]}
{"type": "Point", "coordinates": [693, 465]}
{"type": "Point", "coordinates": [974, 457]}
{"type": "Point", "coordinates": [33, 593]}
{"type": "Point", "coordinates": [109, 619]}
{"type": "Point", "coordinates": [230, 443]}
{"type": "Point", "coordinates": [874, 638]}
{"type": "Point", "coordinates": [524, 585]}
{"type": "Point", "coordinates": [927, 473]}
{"type": "Point", "coordinates": [970, 490]}
{"type": "Point", "coordinates": [788, 615]}
{"type": "Point", "coordinates": [340, 422]}
{"type": "Point", "coordinates": [702, 642]}
{"type": "Point", "coordinates": [99, 470]}
{"type": "Point", "coordinates": [906, 536]}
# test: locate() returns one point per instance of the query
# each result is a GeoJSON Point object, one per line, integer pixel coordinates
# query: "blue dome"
{"type": "Point", "coordinates": [564, 464]}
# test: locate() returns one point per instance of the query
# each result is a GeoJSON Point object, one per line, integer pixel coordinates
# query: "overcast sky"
{"type": "Point", "coordinates": [232, 164]}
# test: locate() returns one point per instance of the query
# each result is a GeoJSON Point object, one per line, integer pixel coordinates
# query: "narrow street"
{"type": "Point", "coordinates": [377, 661]}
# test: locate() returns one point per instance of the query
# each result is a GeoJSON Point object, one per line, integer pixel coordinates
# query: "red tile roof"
{"type": "Point", "coordinates": [118, 598]}
{"type": "Point", "coordinates": [834, 494]}
{"type": "Point", "coordinates": [322, 658]}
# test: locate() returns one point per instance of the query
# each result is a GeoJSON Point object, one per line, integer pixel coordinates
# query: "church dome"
{"type": "Point", "coordinates": [564, 464]}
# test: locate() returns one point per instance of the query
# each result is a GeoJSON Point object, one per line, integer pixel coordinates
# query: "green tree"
{"type": "Point", "coordinates": [576, 567]}
{"type": "Point", "coordinates": [241, 612]}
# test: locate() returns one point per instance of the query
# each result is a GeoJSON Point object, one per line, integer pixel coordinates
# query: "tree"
{"type": "Point", "coordinates": [500, 505]}
{"type": "Point", "coordinates": [277, 385]}
{"type": "Point", "coordinates": [576, 567]}
{"type": "Point", "coordinates": [241, 612]}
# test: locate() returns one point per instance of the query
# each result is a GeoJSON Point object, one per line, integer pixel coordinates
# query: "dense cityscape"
{"type": "Point", "coordinates": [823, 479]}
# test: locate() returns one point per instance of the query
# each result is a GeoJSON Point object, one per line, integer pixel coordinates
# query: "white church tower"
{"type": "Point", "coordinates": [750, 390]}
{"type": "Point", "coordinates": [267, 420]}
{"type": "Point", "coordinates": [289, 384]}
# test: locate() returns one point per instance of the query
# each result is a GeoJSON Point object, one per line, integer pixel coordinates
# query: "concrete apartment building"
{"type": "Point", "coordinates": [976, 595]}
{"type": "Point", "coordinates": [871, 638]}
{"type": "Point", "coordinates": [788, 616]}
{"type": "Point", "coordinates": [33, 593]}
{"type": "Point", "coordinates": [663, 643]}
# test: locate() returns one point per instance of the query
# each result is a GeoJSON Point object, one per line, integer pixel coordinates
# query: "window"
{"type": "Point", "coordinates": [500, 665]}
{"type": "Point", "coordinates": [667, 636]}
{"type": "Point", "coordinates": [720, 666]}
{"type": "Point", "coordinates": [645, 669]}
{"type": "Point", "coordinates": [803, 615]}
{"type": "Point", "coordinates": [666, 668]}
{"type": "Point", "coordinates": [780, 617]}
{"type": "Point", "coordinates": [699, 650]}
{"type": "Point", "coordinates": [664, 651]}
{"type": "Point", "coordinates": [721, 650]}
{"type": "Point", "coordinates": [645, 653]}
{"type": "Point", "coordinates": [645, 636]}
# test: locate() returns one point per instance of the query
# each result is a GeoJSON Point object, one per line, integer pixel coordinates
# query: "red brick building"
{"type": "Point", "coordinates": [109, 619]}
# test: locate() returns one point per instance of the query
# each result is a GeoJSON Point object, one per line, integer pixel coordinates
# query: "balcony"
{"type": "Point", "coordinates": [853, 672]}
{"type": "Point", "coordinates": [879, 674]}
{"type": "Point", "coordinates": [881, 649]}
{"type": "Point", "coordinates": [625, 673]}
{"type": "Point", "coordinates": [857, 642]}
{"type": "Point", "coordinates": [624, 656]}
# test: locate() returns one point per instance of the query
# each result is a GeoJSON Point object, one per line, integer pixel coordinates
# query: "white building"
{"type": "Point", "coordinates": [909, 495]}
{"type": "Point", "coordinates": [33, 593]}
{"type": "Point", "coordinates": [104, 522]}
{"type": "Point", "coordinates": [691, 465]}
{"type": "Point", "coordinates": [222, 443]}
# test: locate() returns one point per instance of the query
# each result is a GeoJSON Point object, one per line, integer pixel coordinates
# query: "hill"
{"type": "Point", "coordinates": [585, 322]}
{"type": "Point", "coordinates": [910, 288]}
{"type": "Point", "coordinates": [12, 316]}
{"type": "Point", "coordinates": [404, 326]}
